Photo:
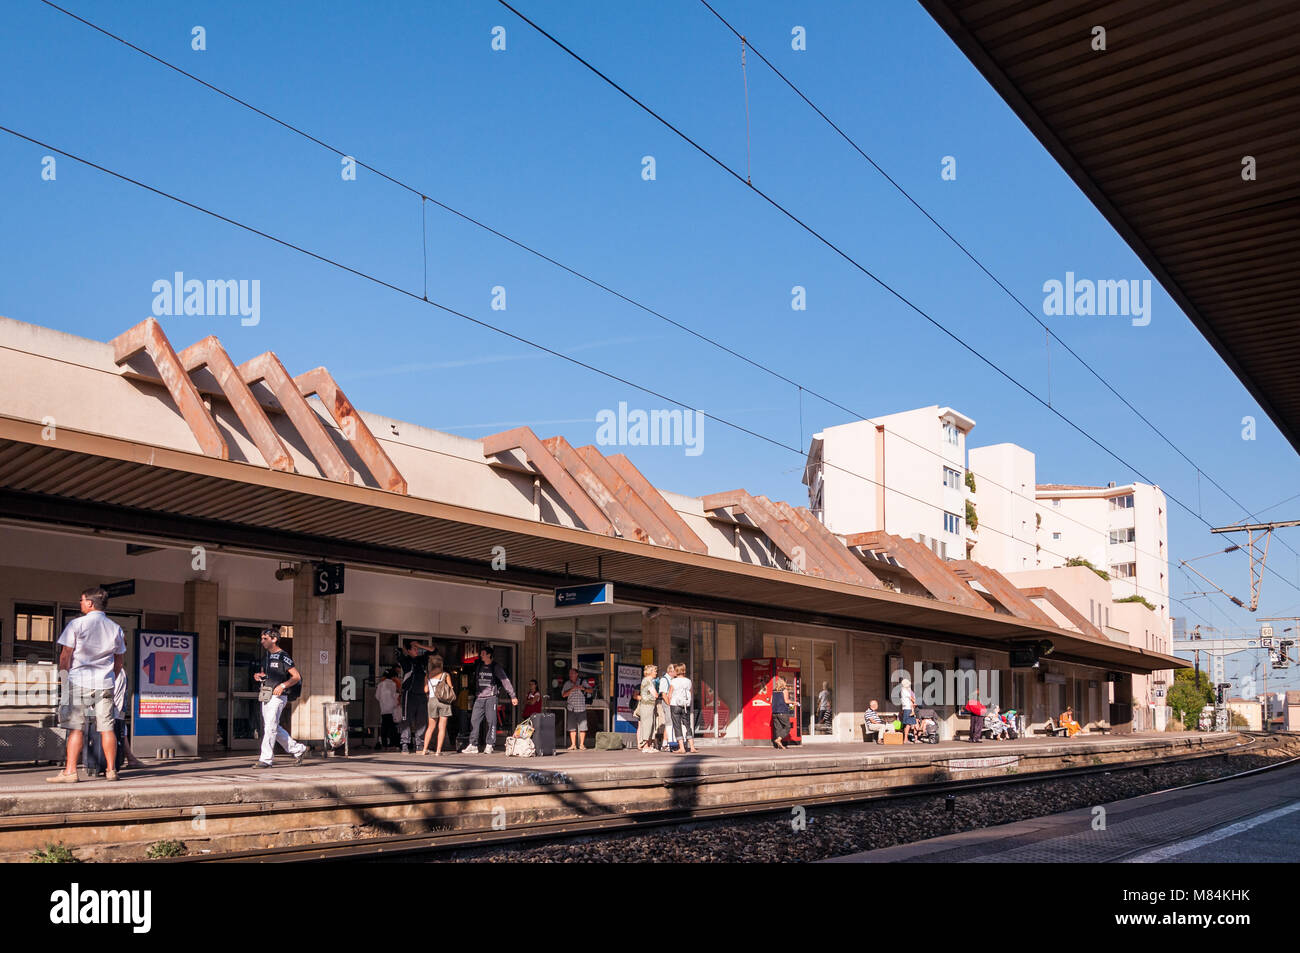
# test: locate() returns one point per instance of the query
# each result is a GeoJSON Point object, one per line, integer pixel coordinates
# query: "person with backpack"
{"type": "Point", "coordinates": [488, 676]}
{"type": "Point", "coordinates": [437, 685]}
{"type": "Point", "coordinates": [680, 708]}
{"type": "Point", "coordinates": [280, 683]}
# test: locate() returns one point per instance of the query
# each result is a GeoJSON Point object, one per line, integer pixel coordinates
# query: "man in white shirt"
{"type": "Point", "coordinates": [93, 649]}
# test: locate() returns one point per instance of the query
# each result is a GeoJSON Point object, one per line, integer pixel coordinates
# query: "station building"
{"type": "Point", "coordinates": [211, 491]}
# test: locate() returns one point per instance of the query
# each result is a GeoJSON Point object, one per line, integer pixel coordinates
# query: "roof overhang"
{"type": "Point", "coordinates": [101, 482]}
{"type": "Point", "coordinates": [1155, 130]}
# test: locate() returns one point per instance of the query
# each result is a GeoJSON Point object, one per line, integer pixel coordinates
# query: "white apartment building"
{"type": "Point", "coordinates": [1007, 507]}
{"type": "Point", "coordinates": [1122, 530]}
{"type": "Point", "coordinates": [906, 474]}
{"type": "Point", "coordinates": [903, 474]}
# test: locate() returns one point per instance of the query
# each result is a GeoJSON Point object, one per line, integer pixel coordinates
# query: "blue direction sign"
{"type": "Point", "coordinates": [596, 594]}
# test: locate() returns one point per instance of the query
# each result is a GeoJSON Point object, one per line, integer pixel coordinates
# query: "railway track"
{"type": "Point", "coordinates": [442, 842]}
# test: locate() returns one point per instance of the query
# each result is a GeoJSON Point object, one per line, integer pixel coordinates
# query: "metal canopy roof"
{"type": "Point", "coordinates": [106, 483]}
{"type": "Point", "coordinates": [1154, 130]}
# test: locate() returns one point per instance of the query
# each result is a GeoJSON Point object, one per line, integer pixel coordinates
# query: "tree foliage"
{"type": "Point", "coordinates": [1189, 695]}
{"type": "Point", "coordinates": [1080, 561]}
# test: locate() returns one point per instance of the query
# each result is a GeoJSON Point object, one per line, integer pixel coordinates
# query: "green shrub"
{"type": "Point", "coordinates": [1136, 598]}
{"type": "Point", "coordinates": [53, 853]}
{"type": "Point", "coordinates": [1080, 561]}
{"type": "Point", "coordinates": [167, 848]}
{"type": "Point", "coordinates": [972, 518]}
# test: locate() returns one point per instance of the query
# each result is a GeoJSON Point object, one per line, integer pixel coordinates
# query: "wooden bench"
{"type": "Point", "coordinates": [1052, 729]}
{"type": "Point", "coordinates": [887, 718]}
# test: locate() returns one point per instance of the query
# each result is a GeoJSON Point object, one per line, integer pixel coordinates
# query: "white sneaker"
{"type": "Point", "coordinates": [472, 749]}
{"type": "Point", "coordinates": [489, 750]}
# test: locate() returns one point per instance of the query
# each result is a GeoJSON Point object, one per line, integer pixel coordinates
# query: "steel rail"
{"type": "Point", "coordinates": [545, 831]}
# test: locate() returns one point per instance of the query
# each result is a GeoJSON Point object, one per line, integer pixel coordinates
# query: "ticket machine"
{"type": "Point", "coordinates": [757, 676]}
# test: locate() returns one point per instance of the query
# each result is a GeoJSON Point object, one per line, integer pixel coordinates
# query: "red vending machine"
{"type": "Point", "coordinates": [757, 676]}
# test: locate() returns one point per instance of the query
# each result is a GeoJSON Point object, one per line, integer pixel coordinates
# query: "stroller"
{"type": "Point", "coordinates": [928, 718]}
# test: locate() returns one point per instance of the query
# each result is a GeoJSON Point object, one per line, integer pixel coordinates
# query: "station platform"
{"type": "Point", "coordinates": [224, 803]}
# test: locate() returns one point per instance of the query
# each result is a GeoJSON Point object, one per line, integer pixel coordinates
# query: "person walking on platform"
{"type": "Point", "coordinates": [488, 676]}
{"type": "Point", "coordinates": [91, 655]}
{"type": "Point", "coordinates": [280, 683]}
{"type": "Point", "coordinates": [414, 662]}
{"type": "Point", "coordinates": [647, 708]}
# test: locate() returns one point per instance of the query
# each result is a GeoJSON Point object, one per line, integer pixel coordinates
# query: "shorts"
{"type": "Point", "coordinates": [577, 720]}
{"type": "Point", "coordinates": [439, 709]}
{"type": "Point", "coordinates": [909, 716]}
{"type": "Point", "coordinates": [80, 702]}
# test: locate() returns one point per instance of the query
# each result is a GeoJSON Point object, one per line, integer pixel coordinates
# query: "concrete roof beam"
{"type": "Point", "coordinates": [267, 367]}
{"type": "Point", "coordinates": [148, 336]}
{"type": "Point", "coordinates": [322, 384]}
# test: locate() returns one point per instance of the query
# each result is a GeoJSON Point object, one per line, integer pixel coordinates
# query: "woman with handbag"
{"type": "Point", "coordinates": [437, 685]}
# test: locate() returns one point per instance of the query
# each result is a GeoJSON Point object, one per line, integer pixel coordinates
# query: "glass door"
{"type": "Point", "coordinates": [363, 668]}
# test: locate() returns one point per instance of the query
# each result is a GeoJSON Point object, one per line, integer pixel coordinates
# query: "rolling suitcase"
{"type": "Point", "coordinates": [93, 748]}
{"type": "Point", "coordinates": [543, 733]}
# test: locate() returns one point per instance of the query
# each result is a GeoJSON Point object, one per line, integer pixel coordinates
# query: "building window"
{"type": "Point", "coordinates": [1122, 502]}
{"type": "Point", "coordinates": [1122, 535]}
{"type": "Point", "coordinates": [950, 432]}
{"type": "Point", "coordinates": [1056, 536]}
{"type": "Point", "coordinates": [951, 478]}
{"type": "Point", "coordinates": [1056, 503]}
{"type": "Point", "coordinates": [1124, 570]}
{"type": "Point", "coordinates": [951, 523]}
{"type": "Point", "coordinates": [34, 633]}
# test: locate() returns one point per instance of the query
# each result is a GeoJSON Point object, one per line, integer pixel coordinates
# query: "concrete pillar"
{"type": "Point", "coordinates": [529, 653]}
{"type": "Point", "coordinates": [314, 646]}
{"type": "Point", "coordinates": [199, 615]}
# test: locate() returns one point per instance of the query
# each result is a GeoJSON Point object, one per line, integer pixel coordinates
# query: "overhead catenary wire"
{"type": "Point", "coordinates": [493, 231]}
{"type": "Point", "coordinates": [541, 255]}
{"type": "Point", "coordinates": [884, 285]}
{"type": "Point", "coordinates": [467, 317]}
{"type": "Point", "coordinates": [1052, 335]}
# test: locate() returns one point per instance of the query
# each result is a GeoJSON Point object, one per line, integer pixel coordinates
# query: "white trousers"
{"type": "Point", "coordinates": [272, 732]}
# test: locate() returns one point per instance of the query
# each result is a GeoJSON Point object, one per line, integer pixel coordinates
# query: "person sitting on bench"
{"type": "Point", "coordinates": [994, 725]}
{"type": "Point", "coordinates": [1069, 724]}
{"type": "Point", "coordinates": [873, 723]}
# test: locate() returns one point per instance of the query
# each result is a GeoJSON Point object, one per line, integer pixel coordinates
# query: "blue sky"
{"type": "Point", "coordinates": [533, 144]}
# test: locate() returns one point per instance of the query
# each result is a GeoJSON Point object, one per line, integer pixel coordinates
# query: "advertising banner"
{"type": "Point", "coordinates": [166, 692]}
{"type": "Point", "coordinates": [627, 682]}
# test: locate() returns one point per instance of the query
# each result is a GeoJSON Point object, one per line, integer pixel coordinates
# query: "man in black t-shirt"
{"type": "Point", "coordinates": [280, 683]}
{"type": "Point", "coordinates": [413, 660]}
